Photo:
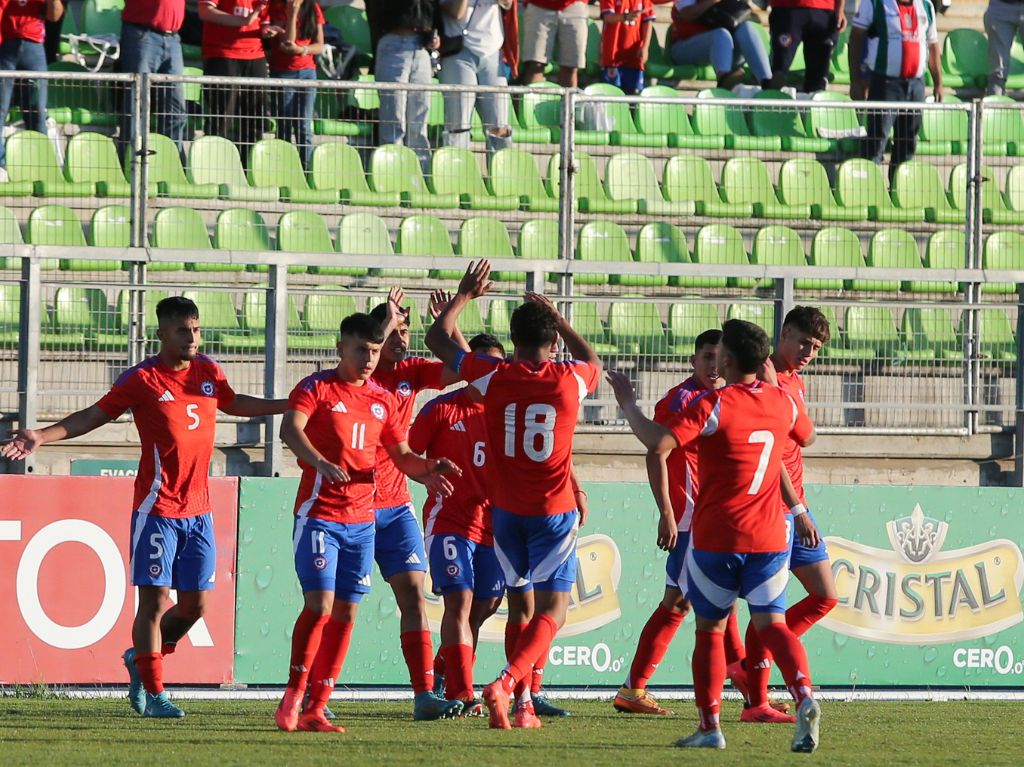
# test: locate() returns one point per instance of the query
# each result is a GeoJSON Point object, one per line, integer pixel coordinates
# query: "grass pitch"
{"type": "Point", "coordinates": [55, 731]}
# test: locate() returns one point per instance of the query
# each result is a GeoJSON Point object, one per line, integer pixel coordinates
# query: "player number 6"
{"type": "Point", "coordinates": [450, 552]}
{"type": "Point", "coordinates": [478, 454]}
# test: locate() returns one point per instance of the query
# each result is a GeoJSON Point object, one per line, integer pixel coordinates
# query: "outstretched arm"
{"type": "Point", "coordinates": [574, 342]}
{"type": "Point", "coordinates": [24, 442]}
{"type": "Point", "coordinates": [657, 476]}
{"type": "Point", "coordinates": [432, 472]}
{"type": "Point", "coordinates": [441, 335]}
{"type": "Point", "coordinates": [655, 437]}
{"type": "Point", "coordinates": [245, 406]}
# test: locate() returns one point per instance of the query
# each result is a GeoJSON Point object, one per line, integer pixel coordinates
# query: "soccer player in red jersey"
{"type": "Point", "coordinates": [459, 540]}
{"type": "Point", "coordinates": [740, 536]}
{"type": "Point", "coordinates": [804, 332]}
{"type": "Point", "coordinates": [531, 404]}
{"type": "Point", "coordinates": [336, 423]}
{"type": "Point", "coordinates": [174, 397]}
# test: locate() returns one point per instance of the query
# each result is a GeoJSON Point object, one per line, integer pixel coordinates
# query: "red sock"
{"type": "Point", "coordinates": [759, 667]}
{"type": "Point", "coordinates": [458, 683]}
{"type": "Point", "coordinates": [734, 651]}
{"type": "Point", "coordinates": [330, 657]}
{"type": "Point", "coordinates": [708, 676]}
{"type": "Point", "coordinates": [512, 633]}
{"type": "Point", "coordinates": [534, 640]}
{"type": "Point", "coordinates": [419, 657]}
{"type": "Point", "coordinates": [168, 648]}
{"type": "Point", "coordinates": [309, 628]}
{"type": "Point", "coordinates": [657, 635]}
{"type": "Point", "coordinates": [151, 669]}
{"type": "Point", "coordinates": [790, 656]}
{"type": "Point", "coordinates": [807, 612]}
{"type": "Point", "coordinates": [439, 663]}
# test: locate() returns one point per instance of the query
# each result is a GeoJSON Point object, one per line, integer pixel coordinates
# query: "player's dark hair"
{"type": "Point", "coordinates": [380, 312]}
{"type": "Point", "coordinates": [362, 326]}
{"type": "Point", "coordinates": [809, 320]}
{"type": "Point", "coordinates": [486, 341]}
{"type": "Point", "coordinates": [177, 308]}
{"type": "Point", "coordinates": [533, 326]}
{"type": "Point", "coordinates": [711, 337]}
{"type": "Point", "coordinates": [747, 343]}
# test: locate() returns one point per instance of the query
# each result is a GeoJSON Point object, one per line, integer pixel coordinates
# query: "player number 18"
{"type": "Point", "coordinates": [538, 431]}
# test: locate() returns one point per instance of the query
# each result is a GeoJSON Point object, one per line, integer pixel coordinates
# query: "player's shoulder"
{"type": "Point", "coordinates": [141, 371]}
{"type": "Point", "coordinates": [682, 394]}
{"type": "Point", "coordinates": [441, 402]}
{"type": "Point", "coordinates": [373, 390]}
{"type": "Point", "coordinates": [315, 381]}
{"type": "Point", "coordinates": [417, 363]}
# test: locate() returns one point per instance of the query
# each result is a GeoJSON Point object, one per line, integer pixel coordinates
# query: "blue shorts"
{"type": "Point", "coordinates": [629, 79]}
{"type": "Point", "coordinates": [399, 544]}
{"type": "Point", "coordinates": [459, 564]}
{"type": "Point", "coordinates": [179, 553]}
{"type": "Point", "coordinates": [717, 578]}
{"type": "Point", "coordinates": [333, 556]}
{"type": "Point", "coordinates": [675, 567]}
{"type": "Point", "coordinates": [536, 551]}
{"type": "Point", "coordinates": [801, 555]}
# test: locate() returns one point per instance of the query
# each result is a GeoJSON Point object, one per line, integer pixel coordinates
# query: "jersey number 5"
{"type": "Point", "coordinates": [767, 439]}
{"type": "Point", "coordinates": [538, 431]}
{"type": "Point", "coordinates": [190, 411]}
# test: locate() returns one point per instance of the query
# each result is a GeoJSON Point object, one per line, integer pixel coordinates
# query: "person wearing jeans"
{"type": "Point", "coordinates": [154, 46]}
{"type": "Point", "coordinates": [23, 29]}
{"type": "Point", "coordinates": [696, 44]}
{"type": "Point", "coordinates": [291, 58]}
{"type": "Point", "coordinates": [479, 24]}
{"type": "Point", "coordinates": [1004, 19]}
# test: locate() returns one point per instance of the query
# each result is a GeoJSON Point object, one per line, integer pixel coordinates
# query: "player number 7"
{"type": "Point", "coordinates": [766, 438]}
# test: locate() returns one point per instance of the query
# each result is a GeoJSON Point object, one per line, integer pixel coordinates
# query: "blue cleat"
{"type": "Point", "coordinates": [544, 707]}
{"type": "Point", "coordinates": [160, 707]}
{"type": "Point", "coordinates": [428, 706]}
{"type": "Point", "coordinates": [703, 739]}
{"type": "Point", "coordinates": [328, 714]}
{"type": "Point", "coordinates": [136, 692]}
{"type": "Point", "coordinates": [439, 684]}
{"type": "Point", "coordinates": [808, 716]}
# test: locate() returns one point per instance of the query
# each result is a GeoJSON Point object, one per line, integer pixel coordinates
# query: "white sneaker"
{"type": "Point", "coordinates": [702, 739]}
{"type": "Point", "coordinates": [808, 716]}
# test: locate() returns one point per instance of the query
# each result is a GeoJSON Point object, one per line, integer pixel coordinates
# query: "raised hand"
{"type": "Point", "coordinates": [767, 372]}
{"type": "Point", "coordinates": [625, 395]}
{"type": "Point", "coordinates": [439, 299]}
{"type": "Point", "coordinates": [23, 443]}
{"type": "Point", "coordinates": [540, 298]}
{"type": "Point", "coordinates": [475, 282]}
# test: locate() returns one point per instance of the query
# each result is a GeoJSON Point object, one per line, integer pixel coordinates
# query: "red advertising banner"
{"type": "Point", "coordinates": [66, 601]}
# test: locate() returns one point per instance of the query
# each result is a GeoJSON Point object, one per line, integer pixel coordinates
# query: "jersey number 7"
{"type": "Point", "coordinates": [767, 440]}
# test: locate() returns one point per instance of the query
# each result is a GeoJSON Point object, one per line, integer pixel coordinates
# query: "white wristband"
{"type": "Point", "coordinates": [797, 510]}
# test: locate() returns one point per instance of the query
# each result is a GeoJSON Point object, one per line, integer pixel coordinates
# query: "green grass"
{"type": "Point", "coordinates": [80, 732]}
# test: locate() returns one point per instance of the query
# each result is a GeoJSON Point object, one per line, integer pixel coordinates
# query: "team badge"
{"type": "Point", "coordinates": [404, 388]}
{"type": "Point", "coordinates": [378, 411]}
{"type": "Point", "coordinates": [206, 387]}
{"type": "Point", "coordinates": [453, 570]}
{"type": "Point", "coordinates": [785, 39]}
{"type": "Point", "coordinates": [154, 570]}
{"type": "Point", "coordinates": [320, 562]}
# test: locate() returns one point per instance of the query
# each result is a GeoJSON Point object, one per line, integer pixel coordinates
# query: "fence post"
{"type": "Point", "coordinates": [972, 294]}
{"type": "Point", "coordinates": [276, 368]}
{"type": "Point", "coordinates": [784, 302]}
{"type": "Point", "coordinates": [567, 186]}
{"type": "Point", "coordinates": [30, 325]}
{"type": "Point", "coordinates": [139, 167]}
{"type": "Point", "coordinates": [1018, 410]}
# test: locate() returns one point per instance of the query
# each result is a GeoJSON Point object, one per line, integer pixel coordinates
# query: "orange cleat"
{"type": "Point", "coordinates": [779, 705]}
{"type": "Point", "coordinates": [526, 718]}
{"type": "Point", "coordinates": [638, 702]}
{"type": "Point", "coordinates": [287, 714]}
{"type": "Point", "coordinates": [315, 721]}
{"type": "Point", "coordinates": [766, 715]}
{"type": "Point", "coordinates": [738, 676]}
{"type": "Point", "coordinates": [496, 700]}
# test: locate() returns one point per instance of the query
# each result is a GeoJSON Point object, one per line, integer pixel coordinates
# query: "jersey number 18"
{"type": "Point", "coordinates": [538, 431]}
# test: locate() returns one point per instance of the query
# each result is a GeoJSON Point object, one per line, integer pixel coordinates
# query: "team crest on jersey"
{"type": "Point", "coordinates": [453, 570]}
{"type": "Point", "coordinates": [206, 387]}
{"type": "Point", "coordinates": [320, 562]}
{"type": "Point", "coordinates": [378, 411]}
{"type": "Point", "coordinates": [154, 570]}
{"type": "Point", "coordinates": [404, 388]}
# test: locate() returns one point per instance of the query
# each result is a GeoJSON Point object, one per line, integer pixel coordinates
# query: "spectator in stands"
{"type": "Point", "coordinates": [291, 58]}
{"type": "Point", "coordinates": [907, 41]}
{"type": "Point", "coordinates": [478, 24]}
{"type": "Point", "coordinates": [150, 43]}
{"type": "Point", "coordinates": [405, 53]}
{"type": "Point", "coordinates": [625, 42]}
{"type": "Point", "coordinates": [1004, 19]}
{"type": "Point", "coordinates": [815, 23]}
{"type": "Point", "coordinates": [22, 30]}
{"type": "Point", "coordinates": [543, 22]}
{"type": "Point", "coordinates": [233, 32]}
{"type": "Point", "coordinates": [695, 42]}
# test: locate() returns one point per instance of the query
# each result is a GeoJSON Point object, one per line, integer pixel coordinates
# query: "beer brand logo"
{"type": "Point", "coordinates": [916, 593]}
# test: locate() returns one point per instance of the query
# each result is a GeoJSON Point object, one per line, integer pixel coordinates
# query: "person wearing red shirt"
{"type": "Point", "coordinates": [695, 43]}
{"type": "Point", "coordinates": [531, 405]}
{"type": "Point", "coordinates": [337, 423]}
{"type": "Point", "coordinates": [815, 23]}
{"type": "Point", "coordinates": [740, 536]}
{"type": "Point", "coordinates": [625, 42]}
{"type": "Point", "coordinates": [22, 32]}
{"type": "Point", "coordinates": [291, 58]}
{"type": "Point", "coordinates": [174, 398]}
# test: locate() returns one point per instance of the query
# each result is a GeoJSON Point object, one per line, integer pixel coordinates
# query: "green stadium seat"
{"type": "Point", "coordinates": [686, 322]}
{"type": "Point", "coordinates": [1002, 129]}
{"type": "Point", "coordinates": [360, 234]}
{"type": "Point", "coordinates": [455, 172]}
{"type": "Point", "coordinates": [776, 246]}
{"type": "Point", "coordinates": [632, 177]}
{"type": "Point", "coordinates": [624, 131]}
{"type": "Point", "coordinates": [330, 122]}
{"type": "Point", "coordinates": [254, 320]}
{"type": "Point", "coordinates": [662, 243]}
{"type": "Point", "coordinates": [832, 246]}
{"type": "Point", "coordinates": [78, 103]}
{"type": "Point", "coordinates": [241, 229]}
{"type": "Point", "coordinates": [215, 160]}
{"type": "Point", "coordinates": [336, 166]}
{"type": "Point", "coordinates": [10, 315]}
{"type": "Point", "coordinates": [586, 320]}
{"type": "Point", "coordinates": [499, 314]}
{"type": "Point", "coordinates": [860, 182]}
{"type": "Point", "coordinates": [219, 318]}
{"type": "Point", "coordinates": [841, 59]}
{"type": "Point", "coordinates": [762, 315]}
{"type": "Point", "coordinates": [31, 160]}
{"type": "Point", "coordinates": [719, 244]}
{"type": "Point", "coordinates": [636, 328]}
{"type": "Point", "coordinates": [717, 119]}
{"type": "Point", "coordinates": [181, 228]}
{"type": "Point", "coordinates": [59, 226]}
{"type": "Point", "coordinates": [889, 248]}
{"type": "Point", "coordinates": [476, 127]}
{"type": "Point", "coordinates": [803, 182]}
{"type": "Point", "coordinates": [354, 28]}
{"type": "Point", "coordinates": [326, 308]}
{"type": "Point", "coordinates": [420, 235]}
{"type": "Point", "coordinates": [303, 231]}
{"type": "Point", "coordinates": [1015, 79]}
{"type": "Point", "coordinates": [917, 185]}
{"type": "Point", "coordinates": [486, 238]}
{"type": "Point", "coordinates": [1014, 189]}
{"type": "Point", "coordinates": [396, 168]}
{"type": "Point", "coordinates": [946, 249]}
{"type": "Point", "coordinates": [1003, 250]}
{"type": "Point", "coordinates": [840, 128]}
{"type": "Point", "coordinates": [994, 210]}
{"type": "Point", "coordinates": [109, 227]}
{"type": "Point", "coordinates": [10, 234]}
{"type": "Point", "coordinates": [964, 59]}
{"type": "Point", "coordinates": [164, 169]}
{"type": "Point", "coordinates": [943, 131]}
{"type": "Point", "coordinates": [540, 115]}
{"type": "Point", "coordinates": [538, 240]}
{"type": "Point", "coordinates": [276, 163]}
{"type": "Point", "coordinates": [79, 314]}
{"type": "Point", "coordinates": [745, 180]}
{"type": "Point", "coordinates": [514, 172]}
{"type": "Point", "coordinates": [669, 124]}
{"type": "Point", "coordinates": [870, 334]}
{"type": "Point", "coordinates": [786, 124]}
{"type": "Point", "coordinates": [929, 333]}
{"type": "Point", "coordinates": [606, 241]}
{"type": "Point", "coordinates": [688, 177]}
{"type": "Point", "coordinates": [92, 159]}
{"type": "Point", "coordinates": [590, 193]}
{"type": "Point", "coordinates": [995, 334]}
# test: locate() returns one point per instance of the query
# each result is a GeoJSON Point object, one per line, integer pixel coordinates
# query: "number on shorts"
{"type": "Point", "coordinates": [156, 542]}
{"type": "Point", "coordinates": [450, 552]}
{"type": "Point", "coordinates": [766, 438]}
{"type": "Point", "coordinates": [358, 436]}
{"type": "Point", "coordinates": [190, 411]}
{"type": "Point", "coordinates": [478, 454]}
{"type": "Point", "coordinates": [538, 422]}
{"type": "Point", "coordinates": [319, 547]}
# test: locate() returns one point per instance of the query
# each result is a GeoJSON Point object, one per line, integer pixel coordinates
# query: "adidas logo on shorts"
{"type": "Point", "coordinates": [365, 580]}
{"type": "Point", "coordinates": [413, 559]}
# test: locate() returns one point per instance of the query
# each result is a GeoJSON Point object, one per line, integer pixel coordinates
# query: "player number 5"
{"type": "Point", "coordinates": [190, 411]}
{"type": "Point", "coordinates": [766, 438]}
{"type": "Point", "coordinates": [156, 541]}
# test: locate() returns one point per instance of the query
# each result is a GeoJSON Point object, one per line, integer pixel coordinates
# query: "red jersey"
{"type": "Point", "coordinates": [164, 15]}
{"type": "Point", "coordinates": [821, 5]}
{"type": "Point", "coordinates": [24, 20]}
{"type": "Point", "coordinates": [409, 378]}
{"type": "Point", "coordinates": [793, 454]}
{"type": "Point", "coordinates": [221, 42]}
{"type": "Point", "coordinates": [175, 412]}
{"type": "Point", "coordinates": [682, 462]}
{"type": "Point", "coordinates": [622, 43]}
{"type": "Point", "coordinates": [741, 431]}
{"type": "Point", "coordinates": [280, 61]}
{"type": "Point", "coordinates": [553, 5]}
{"type": "Point", "coordinates": [530, 411]}
{"type": "Point", "coordinates": [347, 425]}
{"type": "Point", "coordinates": [452, 426]}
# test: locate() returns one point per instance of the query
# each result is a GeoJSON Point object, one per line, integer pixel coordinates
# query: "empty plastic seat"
{"type": "Point", "coordinates": [332, 107]}
{"type": "Point", "coordinates": [241, 229]}
{"type": "Point", "coordinates": [455, 172]}
{"type": "Point", "coordinates": [254, 320]}
{"type": "Point", "coordinates": [776, 246]}
{"type": "Point", "coordinates": [632, 177]}
{"type": "Point", "coordinates": [215, 160]}
{"type": "Point", "coordinates": [164, 169]}
{"type": "Point", "coordinates": [590, 193]}
{"type": "Point", "coordinates": [870, 333]}
{"type": "Point", "coordinates": [183, 229]}
{"type": "Point", "coordinates": [636, 328]}
{"type": "Point", "coordinates": [499, 315]}
{"type": "Point", "coordinates": [1003, 250]}
{"type": "Point", "coordinates": [717, 119]}
{"type": "Point", "coordinates": [623, 132]}
{"type": "Point", "coordinates": [486, 238]}
{"type": "Point", "coordinates": [746, 180]}
{"type": "Point", "coordinates": [917, 185]}
{"type": "Point", "coordinates": [396, 168]}
{"type": "Point", "coordinates": [1002, 127]}
{"type": "Point", "coordinates": [514, 172]}
{"type": "Point", "coordinates": [326, 308]}
{"type": "Point", "coordinates": [219, 316]}
{"type": "Point", "coordinates": [10, 315]}
{"type": "Point", "coordinates": [360, 234]}
{"type": "Point", "coordinates": [79, 316]}
{"type": "Point", "coordinates": [762, 315]}
{"type": "Point", "coordinates": [687, 321]}
{"type": "Point", "coordinates": [860, 182]}
{"type": "Point", "coordinates": [606, 241]}
{"type": "Point", "coordinates": [421, 235]}
{"type": "Point", "coordinates": [336, 166]}
{"type": "Point", "coordinates": [668, 124]}
{"type": "Point", "coordinates": [586, 320]}
{"type": "Point", "coordinates": [31, 160]}
{"type": "Point", "coordinates": [839, 127]}
{"type": "Point", "coordinates": [538, 240]}
{"type": "Point", "coordinates": [540, 115]}
{"type": "Point", "coordinates": [351, 22]}
{"type": "Point", "coordinates": [943, 131]}
{"type": "Point", "coordinates": [893, 249]}
{"type": "Point", "coordinates": [803, 182]}
{"type": "Point", "coordinates": [832, 246]}
{"type": "Point", "coordinates": [276, 163]}
{"type": "Point", "coordinates": [929, 333]}
{"type": "Point", "coordinates": [719, 244]}
{"type": "Point", "coordinates": [995, 334]}
{"type": "Point", "coordinates": [946, 249]}
{"type": "Point", "coordinates": [688, 178]}
{"type": "Point", "coordinates": [662, 243]}
{"type": "Point", "coordinates": [59, 225]}
{"type": "Point", "coordinates": [303, 231]}
{"type": "Point", "coordinates": [786, 124]}
{"type": "Point", "coordinates": [109, 227]}
{"type": "Point", "coordinates": [993, 206]}
{"type": "Point", "coordinates": [92, 159]}
{"type": "Point", "coordinates": [1014, 190]}
{"type": "Point", "coordinates": [964, 59]}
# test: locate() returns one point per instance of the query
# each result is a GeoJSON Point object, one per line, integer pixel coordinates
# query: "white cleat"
{"type": "Point", "coordinates": [808, 717]}
{"type": "Point", "coordinates": [703, 739]}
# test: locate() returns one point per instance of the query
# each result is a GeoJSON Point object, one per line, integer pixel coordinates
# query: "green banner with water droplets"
{"type": "Point", "coordinates": [929, 582]}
